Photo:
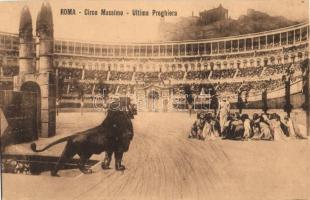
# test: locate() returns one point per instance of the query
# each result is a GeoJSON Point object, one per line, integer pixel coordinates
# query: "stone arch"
{"type": "Point", "coordinates": [279, 59]}
{"type": "Point", "coordinates": [258, 62]}
{"type": "Point", "coordinates": [218, 65]}
{"type": "Point", "coordinates": [265, 61]}
{"type": "Point", "coordinates": [225, 65]}
{"type": "Point", "coordinates": [212, 65]}
{"type": "Point", "coordinates": [292, 57]}
{"type": "Point", "coordinates": [252, 62]}
{"type": "Point", "coordinates": [199, 66]}
{"type": "Point", "coordinates": [245, 62]}
{"type": "Point", "coordinates": [272, 60]}
{"type": "Point", "coordinates": [300, 55]}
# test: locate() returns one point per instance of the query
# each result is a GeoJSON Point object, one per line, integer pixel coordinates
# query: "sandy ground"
{"type": "Point", "coordinates": [163, 163]}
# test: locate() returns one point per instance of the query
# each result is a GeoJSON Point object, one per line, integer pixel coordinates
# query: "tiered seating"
{"type": "Point", "coordinates": [139, 76]}
{"type": "Point", "coordinates": [196, 75]}
{"type": "Point", "coordinates": [96, 75]}
{"type": "Point", "coordinates": [259, 85]}
{"type": "Point", "coordinates": [274, 69]}
{"type": "Point", "coordinates": [223, 73]}
{"type": "Point", "coordinates": [250, 72]}
{"type": "Point", "coordinates": [120, 76]}
{"type": "Point", "coordinates": [125, 76]}
{"type": "Point", "coordinates": [177, 75]}
{"type": "Point", "coordinates": [228, 87]}
{"type": "Point", "coordinates": [69, 73]}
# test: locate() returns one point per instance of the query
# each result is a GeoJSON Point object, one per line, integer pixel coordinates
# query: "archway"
{"type": "Point", "coordinates": [153, 99]}
{"type": "Point", "coordinates": [32, 107]}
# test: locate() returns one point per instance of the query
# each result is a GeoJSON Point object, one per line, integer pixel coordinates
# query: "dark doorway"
{"type": "Point", "coordinates": [31, 108]}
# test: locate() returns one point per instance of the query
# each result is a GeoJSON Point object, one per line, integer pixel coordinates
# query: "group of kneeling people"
{"type": "Point", "coordinates": [263, 126]}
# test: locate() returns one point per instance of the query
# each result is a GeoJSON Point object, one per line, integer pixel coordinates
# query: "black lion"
{"type": "Point", "coordinates": [113, 135]}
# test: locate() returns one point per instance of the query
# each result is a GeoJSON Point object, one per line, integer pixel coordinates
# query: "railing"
{"type": "Point", "coordinates": [274, 39]}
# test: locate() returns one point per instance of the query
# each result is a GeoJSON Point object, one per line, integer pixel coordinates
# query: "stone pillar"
{"type": "Point", "coordinates": [26, 52]}
{"type": "Point", "coordinates": [308, 96]}
{"type": "Point", "coordinates": [37, 57]}
{"type": "Point", "coordinates": [47, 78]}
{"type": "Point", "coordinates": [26, 57]}
{"type": "Point", "coordinates": [1, 67]}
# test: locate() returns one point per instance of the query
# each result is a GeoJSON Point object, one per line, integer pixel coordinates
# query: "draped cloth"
{"type": "Point", "coordinates": [224, 110]}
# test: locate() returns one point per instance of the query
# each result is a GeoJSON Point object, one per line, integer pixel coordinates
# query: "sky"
{"type": "Point", "coordinates": [136, 28]}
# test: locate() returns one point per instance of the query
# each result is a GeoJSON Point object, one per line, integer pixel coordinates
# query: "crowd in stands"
{"type": "Point", "coordinates": [139, 76]}
{"type": "Point", "coordinates": [197, 75]}
{"type": "Point", "coordinates": [75, 82]}
{"type": "Point", "coordinates": [151, 76]}
{"type": "Point", "coordinates": [96, 75]}
{"type": "Point", "coordinates": [195, 89]}
{"type": "Point", "coordinates": [269, 52]}
{"type": "Point", "coordinates": [69, 73]}
{"type": "Point", "coordinates": [120, 76]}
{"type": "Point", "coordinates": [275, 69]}
{"type": "Point", "coordinates": [250, 72]}
{"type": "Point", "coordinates": [177, 75]}
{"type": "Point", "coordinates": [295, 48]}
{"type": "Point", "coordinates": [222, 74]}
{"type": "Point", "coordinates": [230, 88]}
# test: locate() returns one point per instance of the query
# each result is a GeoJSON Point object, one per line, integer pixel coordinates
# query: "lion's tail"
{"type": "Point", "coordinates": [33, 146]}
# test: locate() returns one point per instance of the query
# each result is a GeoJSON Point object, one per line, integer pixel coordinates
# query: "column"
{"type": "Point", "coordinates": [83, 73]}
{"type": "Point", "coordinates": [198, 45]}
{"type": "Point", "coordinates": [286, 38]}
{"type": "Point", "coordinates": [152, 51]}
{"type": "Point", "coordinates": [185, 50]}
{"type": "Point", "coordinates": [308, 110]}
{"type": "Point", "coordinates": [192, 49]}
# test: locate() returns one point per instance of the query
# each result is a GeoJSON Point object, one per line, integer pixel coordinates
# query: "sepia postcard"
{"type": "Point", "coordinates": [154, 100]}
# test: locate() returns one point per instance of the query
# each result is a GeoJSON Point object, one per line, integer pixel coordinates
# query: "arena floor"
{"type": "Point", "coordinates": [162, 163]}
